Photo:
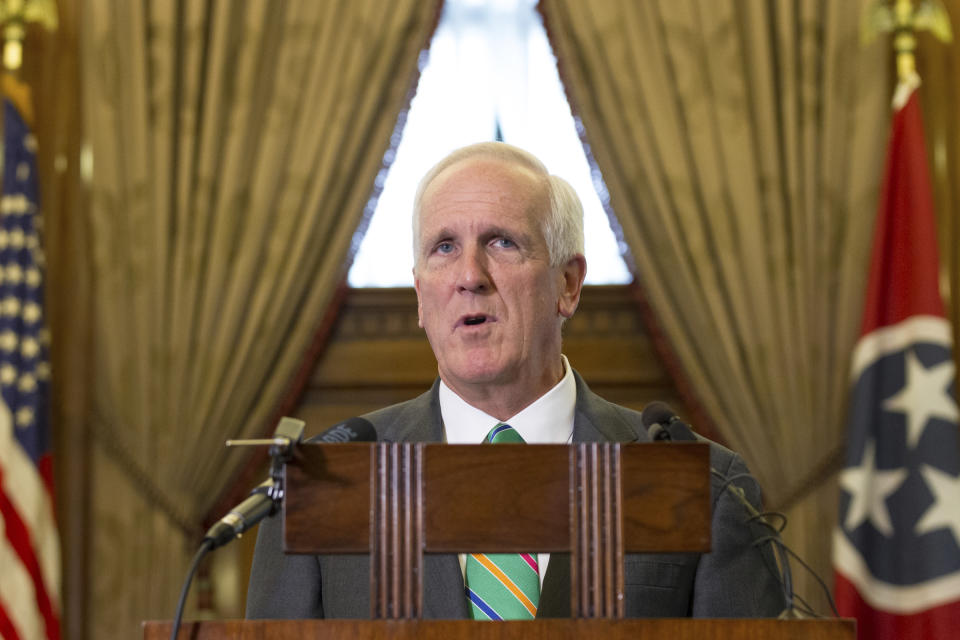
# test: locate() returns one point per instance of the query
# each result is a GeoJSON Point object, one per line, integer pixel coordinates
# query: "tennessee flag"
{"type": "Point", "coordinates": [29, 546]}
{"type": "Point", "coordinates": [897, 545]}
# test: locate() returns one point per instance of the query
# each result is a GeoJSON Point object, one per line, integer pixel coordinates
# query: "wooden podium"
{"type": "Point", "coordinates": [595, 501]}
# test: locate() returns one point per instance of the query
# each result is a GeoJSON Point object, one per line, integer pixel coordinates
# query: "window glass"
{"type": "Point", "coordinates": [490, 74]}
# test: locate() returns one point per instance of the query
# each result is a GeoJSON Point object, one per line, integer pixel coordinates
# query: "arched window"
{"type": "Point", "coordinates": [490, 75]}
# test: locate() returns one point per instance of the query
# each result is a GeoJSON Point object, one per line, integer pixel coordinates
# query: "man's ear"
{"type": "Point", "coordinates": [416, 287]}
{"type": "Point", "coordinates": [573, 272]}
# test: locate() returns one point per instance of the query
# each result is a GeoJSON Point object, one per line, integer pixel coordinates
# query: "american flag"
{"type": "Point", "coordinates": [29, 546]}
{"type": "Point", "coordinates": [897, 545]}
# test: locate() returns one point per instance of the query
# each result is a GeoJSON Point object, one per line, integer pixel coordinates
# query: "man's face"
{"type": "Point", "coordinates": [489, 301]}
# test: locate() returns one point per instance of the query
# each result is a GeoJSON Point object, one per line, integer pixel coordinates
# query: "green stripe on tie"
{"type": "Point", "coordinates": [503, 586]}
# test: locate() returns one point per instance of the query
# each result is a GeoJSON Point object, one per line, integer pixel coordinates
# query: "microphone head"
{"type": "Point", "coordinates": [290, 428]}
{"type": "Point", "coordinates": [657, 413]}
{"type": "Point", "coordinates": [351, 430]}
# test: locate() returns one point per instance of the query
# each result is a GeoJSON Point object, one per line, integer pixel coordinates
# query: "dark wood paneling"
{"type": "Point", "coordinates": [378, 356]}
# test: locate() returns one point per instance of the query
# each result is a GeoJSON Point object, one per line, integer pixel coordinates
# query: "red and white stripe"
{"type": "Point", "coordinates": [29, 546]}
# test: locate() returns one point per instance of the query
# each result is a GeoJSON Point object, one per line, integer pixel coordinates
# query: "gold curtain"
{"type": "Point", "coordinates": [741, 144]}
{"type": "Point", "coordinates": [234, 147]}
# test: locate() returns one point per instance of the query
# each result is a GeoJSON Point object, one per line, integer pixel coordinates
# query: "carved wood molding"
{"type": "Point", "coordinates": [377, 355]}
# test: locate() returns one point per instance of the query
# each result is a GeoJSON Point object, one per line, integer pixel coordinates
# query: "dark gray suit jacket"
{"type": "Point", "coordinates": [736, 579]}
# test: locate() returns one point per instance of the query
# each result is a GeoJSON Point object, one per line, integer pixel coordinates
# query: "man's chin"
{"type": "Point", "coordinates": [477, 374]}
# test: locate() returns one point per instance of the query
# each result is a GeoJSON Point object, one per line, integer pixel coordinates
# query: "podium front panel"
{"type": "Point", "coordinates": [496, 497]}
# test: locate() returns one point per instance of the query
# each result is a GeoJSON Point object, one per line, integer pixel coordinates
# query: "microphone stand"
{"type": "Point", "coordinates": [288, 433]}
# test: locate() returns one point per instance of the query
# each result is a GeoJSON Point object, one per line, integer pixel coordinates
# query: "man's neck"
{"type": "Point", "coordinates": [503, 401]}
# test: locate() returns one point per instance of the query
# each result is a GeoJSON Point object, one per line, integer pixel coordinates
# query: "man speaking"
{"type": "Point", "coordinates": [499, 266]}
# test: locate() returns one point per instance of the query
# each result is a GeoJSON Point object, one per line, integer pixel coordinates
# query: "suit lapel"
{"type": "Point", "coordinates": [596, 420]}
{"type": "Point", "coordinates": [555, 591]}
{"type": "Point", "coordinates": [418, 421]}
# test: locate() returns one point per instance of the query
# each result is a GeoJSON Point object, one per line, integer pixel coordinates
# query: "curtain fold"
{"type": "Point", "coordinates": [234, 147]}
{"type": "Point", "coordinates": [741, 145]}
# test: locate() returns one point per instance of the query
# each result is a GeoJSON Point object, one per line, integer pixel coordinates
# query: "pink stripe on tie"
{"type": "Point", "coordinates": [530, 560]}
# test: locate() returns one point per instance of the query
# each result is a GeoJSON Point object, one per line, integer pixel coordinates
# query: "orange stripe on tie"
{"type": "Point", "coordinates": [507, 582]}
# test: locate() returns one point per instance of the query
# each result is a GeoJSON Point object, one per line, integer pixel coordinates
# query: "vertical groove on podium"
{"type": "Point", "coordinates": [416, 568]}
{"type": "Point", "coordinates": [596, 548]}
{"type": "Point", "coordinates": [378, 546]}
{"type": "Point", "coordinates": [616, 479]}
{"type": "Point", "coordinates": [395, 531]}
{"type": "Point", "coordinates": [406, 513]}
{"type": "Point", "coordinates": [608, 534]}
{"type": "Point", "coordinates": [396, 538]}
{"type": "Point", "coordinates": [596, 532]}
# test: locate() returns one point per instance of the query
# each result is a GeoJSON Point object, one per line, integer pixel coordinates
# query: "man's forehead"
{"type": "Point", "coordinates": [504, 173]}
{"type": "Point", "coordinates": [483, 214]}
{"type": "Point", "coordinates": [486, 182]}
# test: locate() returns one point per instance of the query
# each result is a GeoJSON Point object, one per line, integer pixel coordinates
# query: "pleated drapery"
{"type": "Point", "coordinates": [234, 146]}
{"type": "Point", "coordinates": [741, 144]}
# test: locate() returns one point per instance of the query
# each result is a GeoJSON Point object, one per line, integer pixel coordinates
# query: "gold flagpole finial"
{"type": "Point", "coordinates": [903, 19]}
{"type": "Point", "coordinates": [14, 17]}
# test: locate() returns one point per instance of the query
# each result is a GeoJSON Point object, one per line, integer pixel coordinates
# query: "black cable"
{"type": "Point", "coordinates": [202, 551]}
{"type": "Point", "coordinates": [781, 552]}
{"type": "Point", "coordinates": [728, 480]}
{"type": "Point", "coordinates": [775, 541]}
{"type": "Point", "coordinates": [806, 608]}
{"type": "Point", "coordinates": [786, 576]}
{"type": "Point", "coordinates": [762, 519]}
{"type": "Point", "coordinates": [782, 576]}
{"type": "Point", "coordinates": [774, 571]}
{"type": "Point", "coordinates": [823, 585]}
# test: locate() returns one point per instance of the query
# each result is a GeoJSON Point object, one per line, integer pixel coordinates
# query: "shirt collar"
{"type": "Point", "coordinates": [549, 419]}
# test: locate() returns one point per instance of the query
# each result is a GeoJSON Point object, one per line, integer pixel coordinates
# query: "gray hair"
{"type": "Point", "coordinates": [563, 224]}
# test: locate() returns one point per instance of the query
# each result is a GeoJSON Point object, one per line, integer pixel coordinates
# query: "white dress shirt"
{"type": "Point", "coordinates": [548, 420]}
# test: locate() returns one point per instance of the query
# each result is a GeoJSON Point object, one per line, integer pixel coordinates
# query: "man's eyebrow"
{"type": "Point", "coordinates": [440, 234]}
{"type": "Point", "coordinates": [513, 234]}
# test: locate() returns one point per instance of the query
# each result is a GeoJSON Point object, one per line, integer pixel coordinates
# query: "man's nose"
{"type": "Point", "coordinates": [473, 275]}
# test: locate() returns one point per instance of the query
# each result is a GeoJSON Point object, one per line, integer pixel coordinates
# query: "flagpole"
{"type": "Point", "coordinates": [903, 19]}
{"type": "Point", "coordinates": [15, 15]}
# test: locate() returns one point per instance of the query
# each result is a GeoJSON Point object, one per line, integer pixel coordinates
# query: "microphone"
{"type": "Point", "coordinates": [352, 430]}
{"type": "Point", "coordinates": [266, 497]}
{"type": "Point", "coordinates": [663, 424]}
{"type": "Point", "coordinates": [263, 500]}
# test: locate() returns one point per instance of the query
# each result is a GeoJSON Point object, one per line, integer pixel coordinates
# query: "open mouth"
{"type": "Point", "coordinates": [471, 321]}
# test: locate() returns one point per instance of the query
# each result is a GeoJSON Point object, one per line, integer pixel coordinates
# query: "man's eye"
{"type": "Point", "coordinates": [504, 243]}
{"type": "Point", "coordinates": [444, 247]}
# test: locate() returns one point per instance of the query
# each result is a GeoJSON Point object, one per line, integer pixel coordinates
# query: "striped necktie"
{"type": "Point", "coordinates": [503, 586]}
